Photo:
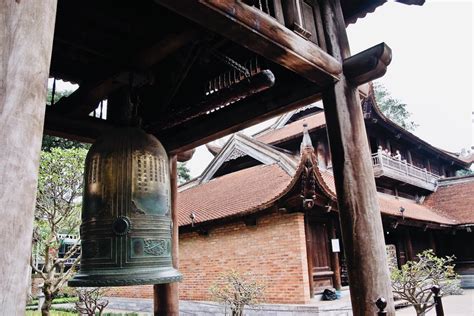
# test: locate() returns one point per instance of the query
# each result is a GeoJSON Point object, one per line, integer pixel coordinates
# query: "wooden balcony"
{"type": "Point", "coordinates": [400, 170]}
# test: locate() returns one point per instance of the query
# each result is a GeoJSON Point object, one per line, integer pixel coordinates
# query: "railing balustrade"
{"type": "Point", "coordinates": [403, 168]}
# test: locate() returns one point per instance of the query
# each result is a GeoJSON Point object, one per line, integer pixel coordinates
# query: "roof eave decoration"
{"type": "Point", "coordinates": [253, 148]}
{"type": "Point", "coordinates": [379, 115]}
{"type": "Point", "coordinates": [371, 5]}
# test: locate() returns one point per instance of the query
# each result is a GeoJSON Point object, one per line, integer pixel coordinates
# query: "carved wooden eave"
{"type": "Point", "coordinates": [373, 114]}
{"type": "Point", "coordinates": [289, 198]}
{"type": "Point", "coordinates": [240, 145]}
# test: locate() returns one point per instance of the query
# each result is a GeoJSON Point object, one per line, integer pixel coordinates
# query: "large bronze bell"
{"type": "Point", "coordinates": [126, 220]}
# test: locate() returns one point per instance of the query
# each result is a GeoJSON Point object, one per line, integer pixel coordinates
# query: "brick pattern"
{"type": "Point", "coordinates": [455, 199]}
{"type": "Point", "coordinates": [274, 251]}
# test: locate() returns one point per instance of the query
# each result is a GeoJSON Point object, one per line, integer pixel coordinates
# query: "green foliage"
{"type": "Point", "coordinates": [49, 142]}
{"type": "Point", "coordinates": [183, 173]}
{"type": "Point", "coordinates": [57, 95]}
{"type": "Point", "coordinates": [236, 291]}
{"type": "Point", "coordinates": [393, 108]}
{"type": "Point", "coordinates": [57, 212]}
{"type": "Point", "coordinates": [413, 282]}
{"type": "Point", "coordinates": [52, 313]}
{"type": "Point", "coordinates": [59, 188]}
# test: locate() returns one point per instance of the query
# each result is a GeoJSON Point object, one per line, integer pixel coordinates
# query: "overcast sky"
{"type": "Point", "coordinates": [431, 69]}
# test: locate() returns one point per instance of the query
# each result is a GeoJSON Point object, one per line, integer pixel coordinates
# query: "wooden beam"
{"type": "Point", "coordinates": [283, 97]}
{"type": "Point", "coordinates": [367, 65]}
{"type": "Point", "coordinates": [85, 99]}
{"type": "Point", "coordinates": [359, 211]}
{"type": "Point", "coordinates": [262, 34]}
{"type": "Point", "coordinates": [26, 37]}
{"type": "Point", "coordinates": [225, 97]}
{"type": "Point", "coordinates": [166, 296]}
{"type": "Point", "coordinates": [86, 129]}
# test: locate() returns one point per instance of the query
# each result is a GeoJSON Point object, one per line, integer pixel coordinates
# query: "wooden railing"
{"type": "Point", "coordinates": [386, 165]}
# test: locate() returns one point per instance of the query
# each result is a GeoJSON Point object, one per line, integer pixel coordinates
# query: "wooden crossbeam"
{"type": "Point", "coordinates": [262, 34]}
{"type": "Point", "coordinates": [281, 98]}
{"type": "Point", "coordinates": [367, 65]}
{"type": "Point", "coordinates": [85, 99]}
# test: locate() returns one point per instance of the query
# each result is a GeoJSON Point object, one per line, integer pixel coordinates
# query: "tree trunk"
{"type": "Point", "coordinates": [48, 301]}
{"type": "Point", "coordinates": [26, 37]}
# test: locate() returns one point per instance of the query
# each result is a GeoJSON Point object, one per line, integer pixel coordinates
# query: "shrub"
{"type": "Point", "coordinates": [237, 291]}
{"type": "Point", "coordinates": [413, 282]}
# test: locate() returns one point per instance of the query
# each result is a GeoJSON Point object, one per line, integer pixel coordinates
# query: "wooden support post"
{"type": "Point", "coordinates": [361, 221]}
{"type": "Point", "coordinates": [409, 247]}
{"type": "Point", "coordinates": [26, 37]}
{"type": "Point", "coordinates": [336, 267]}
{"type": "Point", "coordinates": [309, 254]}
{"type": "Point", "coordinates": [166, 296]}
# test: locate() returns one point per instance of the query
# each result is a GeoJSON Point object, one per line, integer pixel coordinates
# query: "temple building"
{"type": "Point", "coordinates": [267, 205]}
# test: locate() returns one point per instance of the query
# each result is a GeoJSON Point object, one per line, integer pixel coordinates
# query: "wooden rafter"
{"type": "Point", "coordinates": [86, 97]}
{"type": "Point", "coordinates": [261, 34]}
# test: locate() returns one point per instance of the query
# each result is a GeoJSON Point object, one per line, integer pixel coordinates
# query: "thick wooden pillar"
{"type": "Point", "coordinates": [166, 296]}
{"type": "Point", "coordinates": [361, 222]}
{"type": "Point", "coordinates": [26, 38]}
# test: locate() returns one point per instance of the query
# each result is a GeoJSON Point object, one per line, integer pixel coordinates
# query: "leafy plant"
{"type": "Point", "coordinates": [413, 282]}
{"type": "Point", "coordinates": [57, 212]}
{"type": "Point", "coordinates": [237, 291]}
{"type": "Point", "coordinates": [393, 108]}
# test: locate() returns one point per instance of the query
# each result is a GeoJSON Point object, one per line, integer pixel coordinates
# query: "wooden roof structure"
{"type": "Point", "coordinates": [192, 71]}
{"type": "Point", "coordinates": [174, 54]}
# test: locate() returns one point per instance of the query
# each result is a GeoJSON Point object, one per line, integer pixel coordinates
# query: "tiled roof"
{"type": "Point", "coordinates": [293, 130]}
{"type": "Point", "coordinates": [455, 197]}
{"type": "Point", "coordinates": [233, 194]}
{"type": "Point", "coordinates": [253, 189]}
{"type": "Point", "coordinates": [390, 205]}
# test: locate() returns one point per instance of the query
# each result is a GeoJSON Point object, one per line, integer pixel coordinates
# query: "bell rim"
{"type": "Point", "coordinates": [99, 280]}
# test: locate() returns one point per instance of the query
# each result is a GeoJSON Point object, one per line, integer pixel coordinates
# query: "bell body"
{"type": "Point", "coordinates": [126, 220]}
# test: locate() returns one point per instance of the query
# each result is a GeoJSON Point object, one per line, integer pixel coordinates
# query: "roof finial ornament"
{"type": "Point", "coordinates": [306, 142]}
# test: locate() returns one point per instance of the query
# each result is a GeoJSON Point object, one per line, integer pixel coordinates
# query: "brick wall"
{"type": "Point", "coordinates": [274, 251]}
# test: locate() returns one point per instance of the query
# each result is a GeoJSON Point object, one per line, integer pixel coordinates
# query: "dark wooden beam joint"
{"type": "Point", "coordinates": [367, 65]}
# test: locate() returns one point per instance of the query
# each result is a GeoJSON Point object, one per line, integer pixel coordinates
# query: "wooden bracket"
{"type": "Point", "coordinates": [367, 65]}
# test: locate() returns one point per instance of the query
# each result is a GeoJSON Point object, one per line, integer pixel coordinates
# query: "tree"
{"type": "Point", "coordinates": [237, 291]}
{"type": "Point", "coordinates": [57, 212]}
{"type": "Point", "coordinates": [393, 108]}
{"type": "Point", "coordinates": [91, 301]}
{"type": "Point", "coordinates": [413, 282]}
{"type": "Point", "coordinates": [183, 172]}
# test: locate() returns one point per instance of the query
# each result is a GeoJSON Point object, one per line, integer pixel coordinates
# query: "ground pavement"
{"type": "Point", "coordinates": [455, 305]}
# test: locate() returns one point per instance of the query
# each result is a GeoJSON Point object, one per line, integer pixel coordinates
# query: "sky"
{"type": "Point", "coordinates": [431, 69]}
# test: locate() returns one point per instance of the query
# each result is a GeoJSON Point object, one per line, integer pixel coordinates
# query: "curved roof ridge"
{"type": "Point", "coordinates": [394, 124]}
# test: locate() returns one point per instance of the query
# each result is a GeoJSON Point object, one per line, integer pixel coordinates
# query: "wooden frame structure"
{"type": "Point", "coordinates": [197, 70]}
